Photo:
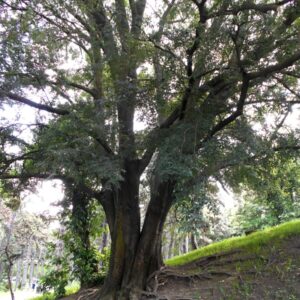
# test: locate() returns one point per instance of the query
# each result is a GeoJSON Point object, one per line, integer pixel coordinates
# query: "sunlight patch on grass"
{"type": "Point", "coordinates": [251, 242]}
{"type": "Point", "coordinates": [46, 296]}
{"type": "Point", "coordinates": [70, 289]}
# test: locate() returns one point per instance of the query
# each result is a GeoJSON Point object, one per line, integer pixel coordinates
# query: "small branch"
{"type": "Point", "coordinates": [102, 142]}
{"type": "Point", "coordinates": [287, 87]}
{"type": "Point", "coordinates": [74, 85]}
{"type": "Point", "coordinates": [239, 111]}
{"type": "Point", "coordinates": [157, 46]}
{"type": "Point", "coordinates": [292, 74]}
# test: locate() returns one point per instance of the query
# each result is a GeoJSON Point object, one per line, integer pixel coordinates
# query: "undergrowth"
{"type": "Point", "coordinates": [252, 242]}
{"type": "Point", "coordinates": [71, 289]}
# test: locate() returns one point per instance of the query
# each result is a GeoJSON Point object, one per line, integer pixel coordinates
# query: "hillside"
{"type": "Point", "coordinates": [262, 265]}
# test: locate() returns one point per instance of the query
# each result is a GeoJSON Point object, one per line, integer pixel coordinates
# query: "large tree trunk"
{"type": "Point", "coordinates": [136, 253]}
{"type": "Point", "coordinates": [124, 232]}
{"type": "Point", "coordinates": [148, 256]}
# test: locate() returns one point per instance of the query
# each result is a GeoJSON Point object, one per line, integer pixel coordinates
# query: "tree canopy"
{"type": "Point", "coordinates": [201, 77]}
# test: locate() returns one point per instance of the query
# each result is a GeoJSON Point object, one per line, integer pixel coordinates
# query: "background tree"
{"type": "Point", "coordinates": [270, 193]}
{"type": "Point", "coordinates": [22, 240]}
{"type": "Point", "coordinates": [199, 74]}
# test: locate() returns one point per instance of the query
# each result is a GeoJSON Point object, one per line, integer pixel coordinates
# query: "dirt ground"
{"type": "Point", "coordinates": [272, 273]}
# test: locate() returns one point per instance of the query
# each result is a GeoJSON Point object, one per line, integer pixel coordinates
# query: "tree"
{"type": "Point", "coordinates": [21, 230]}
{"type": "Point", "coordinates": [270, 193]}
{"type": "Point", "coordinates": [82, 225]}
{"type": "Point", "coordinates": [199, 74]}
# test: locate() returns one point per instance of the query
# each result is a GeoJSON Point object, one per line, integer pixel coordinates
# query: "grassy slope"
{"type": "Point", "coordinates": [250, 242]}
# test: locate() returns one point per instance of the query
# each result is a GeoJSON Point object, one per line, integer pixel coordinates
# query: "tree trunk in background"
{"type": "Point", "coordinates": [9, 273]}
{"type": "Point", "coordinates": [8, 255]}
{"type": "Point", "coordinates": [194, 242]}
{"type": "Point", "coordinates": [183, 246]}
{"type": "Point", "coordinates": [18, 274]}
{"type": "Point", "coordinates": [31, 272]}
{"type": "Point", "coordinates": [1, 270]}
{"type": "Point", "coordinates": [187, 243]}
{"type": "Point", "coordinates": [25, 265]}
{"type": "Point", "coordinates": [38, 263]}
{"type": "Point", "coordinates": [171, 245]}
{"type": "Point", "coordinates": [104, 240]}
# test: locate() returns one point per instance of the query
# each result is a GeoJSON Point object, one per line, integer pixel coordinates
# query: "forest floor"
{"type": "Point", "coordinates": [261, 266]}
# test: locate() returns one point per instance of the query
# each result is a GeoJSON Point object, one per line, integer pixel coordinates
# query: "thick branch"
{"type": "Point", "coordinates": [56, 111]}
{"type": "Point", "coordinates": [105, 30]}
{"type": "Point", "coordinates": [238, 112]}
{"type": "Point", "coordinates": [122, 22]}
{"type": "Point", "coordinates": [137, 10]}
{"type": "Point", "coordinates": [275, 68]}
{"type": "Point", "coordinates": [39, 106]}
{"type": "Point", "coordinates": [249, 5]}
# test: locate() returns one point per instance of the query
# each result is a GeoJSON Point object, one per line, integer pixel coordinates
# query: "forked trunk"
{"type": "Point", "coordinates": [135, 253]}
{"type": "Point", "coordinates": [124, 231]}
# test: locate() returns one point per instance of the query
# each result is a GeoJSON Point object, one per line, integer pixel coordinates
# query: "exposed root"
{"type": "Point", "coordinates": [87, 294]}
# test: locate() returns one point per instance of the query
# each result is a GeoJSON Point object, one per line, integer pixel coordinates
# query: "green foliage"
{"type": "Point", "coordinates": [76, 257]}
{"type": "Point", "coordinates": [251, 242]}
{"type": "Point", "coordinates": [271, 194]}
{"type": "Point", "coordinates": [197, 209]}
{"type": "Point", "coordinates": [58, 272]}
{"type": "Point", "coordinates": [71, 147]}
{"type": "Point", "coordinates": [69, 290]}
{"type": "Point", "coordinates": [83, 221]}
{"type": "Point", "coordinates": [46, 296]}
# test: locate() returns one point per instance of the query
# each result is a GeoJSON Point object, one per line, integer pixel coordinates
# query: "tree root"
{"type": "Point", "coordinates": [87, 294]}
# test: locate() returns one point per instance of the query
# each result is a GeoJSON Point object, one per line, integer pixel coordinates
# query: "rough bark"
{"type": "Point", "coordinates": [124, 232]}
{"type": "Point", "coordinates": [136, 253]}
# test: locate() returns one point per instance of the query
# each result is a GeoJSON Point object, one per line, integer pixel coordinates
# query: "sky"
{"type": "Point", "coordinates": [47, 194]}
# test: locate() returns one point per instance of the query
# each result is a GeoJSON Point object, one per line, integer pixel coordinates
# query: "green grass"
{"type": "Point", "coordinates": [46, 296]}
{"type": "Point", "coordinates": [251, 242]}
{"type": "Point", "coordinates": [70, 289]}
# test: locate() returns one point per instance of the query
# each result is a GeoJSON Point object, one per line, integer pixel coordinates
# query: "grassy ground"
{"type": "Point", "coordinates": [71, 289]}
{"type": "Point", "coordinates": [252, 242]}
{"type": "Point", "coordinates": [263, 265]}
